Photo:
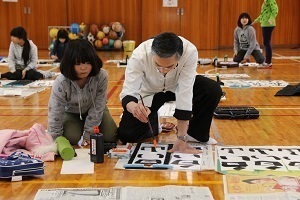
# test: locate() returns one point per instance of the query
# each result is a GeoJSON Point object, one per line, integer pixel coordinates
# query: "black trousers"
{"type": "Point", "coordinates": [258, 56]}
{"type": "Point", "coordinates": [206, 96]}
{"type": "Point", "coordinates": [31, 74]}
{"type": "Point", "coordinates": [267, 35]}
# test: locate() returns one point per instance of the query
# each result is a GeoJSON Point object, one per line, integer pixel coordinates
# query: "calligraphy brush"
{"type": "Point", "coordinates": [150, 127]}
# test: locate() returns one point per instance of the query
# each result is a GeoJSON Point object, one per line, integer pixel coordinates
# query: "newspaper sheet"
{"type": "Point", "coordinates": [168, 192]}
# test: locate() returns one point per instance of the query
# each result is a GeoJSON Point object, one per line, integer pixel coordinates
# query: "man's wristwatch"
{"type": "Point", "coordinates": [182, 137]}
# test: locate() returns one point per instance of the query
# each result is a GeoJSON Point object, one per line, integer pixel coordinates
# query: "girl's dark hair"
{"type": "Point", "coordinates": [244, 15]}
{"type": "Point", "coordinates": [20, 33]}
{"type": "Point", "coordinates": [167, 44]}
{"type": "Point", "coordinates": [62, 33]}
{"type": "Point", "coordinates": [79, 51]}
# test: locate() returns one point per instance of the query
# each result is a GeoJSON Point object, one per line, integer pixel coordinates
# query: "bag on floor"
{"type": "Point", "coordinates": [289, 90]}
{"type": "Point", "coordinates": [20, 164]}
{"type": "Point", "coordinates": [231, 112]}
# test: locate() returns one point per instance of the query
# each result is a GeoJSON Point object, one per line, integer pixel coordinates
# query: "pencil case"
{"type": "Point", "coordinates": [236, 112]}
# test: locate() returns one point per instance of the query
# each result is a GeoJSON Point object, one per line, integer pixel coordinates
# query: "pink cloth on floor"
{"type": "Point", "coordinates": [27, 141]}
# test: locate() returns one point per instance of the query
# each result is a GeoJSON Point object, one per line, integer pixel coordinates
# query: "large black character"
{"type": "Point", "coordinates": [273, 165]}
{"type": "Point", "coordinates": [184, 162]}
{"type": "Point", "coordinates": [153, 149]}
{"type": "Point", "coordinates": [260, 150]}
{"type": "Point", "coordinates": [230, 150]}
{"type": "Point", "coordinates": [148, 161]}
{"type": "Point", "coordinates": [195, 155]}
{"type": "Point", "coordinates": [246, 158]}
{"type": "Point", "coordinates": [143, 155]}
{"type": "Point", "coordinates": [235, 165]}
{"type": "Point", "coordinates": [292, 151]}
{"type": "Point", "coordinates": [295, 164]}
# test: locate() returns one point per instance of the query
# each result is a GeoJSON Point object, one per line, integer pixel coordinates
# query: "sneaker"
{"type": "Point", "coordinates": [211, 141]}
{"type": "Point", "coordinates": [265, 66]}
{"type": "Point", "coordinates": [223, 97]}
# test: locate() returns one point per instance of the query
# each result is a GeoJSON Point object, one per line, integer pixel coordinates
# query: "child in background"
{"type": "Point", "coordinates": [245, 43]}
{"type": "Point", "coordinates": [59, 45]}
{"type": "Point", "coordinates": [22, 58]}
{"type": "Point", "coordinates": [78, 98]}
{"type": "Point", "coordinates": [267, 20]}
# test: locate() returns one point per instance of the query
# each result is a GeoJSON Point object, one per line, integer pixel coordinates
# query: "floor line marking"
{"type": "Point", "coordinates": [289, 58]}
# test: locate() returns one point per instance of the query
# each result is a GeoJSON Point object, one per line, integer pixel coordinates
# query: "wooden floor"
{"type": "Point", "coordinates": [279, 124]}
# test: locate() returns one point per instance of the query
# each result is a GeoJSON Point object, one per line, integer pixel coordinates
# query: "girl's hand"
{"type": "Point", "coordinates": [85, 143]}
{"type": "Point", "coordinates": [271, 21]}
{"type": "Point", "coordinates": [53, 57]}
{"type": "Point", "coordinates": [246, 59]}
{"type": "Point", "coordinates": [24, 73]}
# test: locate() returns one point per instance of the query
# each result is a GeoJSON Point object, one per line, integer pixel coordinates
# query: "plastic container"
{"type": "Point", "coordinates": [128, 45]}
{"type": "Point", "coordinates": [64, 148]}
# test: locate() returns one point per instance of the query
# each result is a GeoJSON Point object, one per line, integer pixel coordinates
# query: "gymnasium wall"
{"type": "Point", "coordinates": [207, 23]}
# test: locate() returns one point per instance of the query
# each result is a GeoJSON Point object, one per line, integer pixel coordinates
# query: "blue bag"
{"type": "Point", "coordinates": [20, 164]}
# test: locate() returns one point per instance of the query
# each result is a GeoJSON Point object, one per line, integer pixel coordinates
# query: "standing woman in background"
{"type": "Point", "coordinates": [22, 58]}
{"type": "Point", "coordinates": [267, 20]}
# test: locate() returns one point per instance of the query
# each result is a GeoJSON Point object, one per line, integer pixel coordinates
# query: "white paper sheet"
{"type": "Point", "coordinates": [80, 164]}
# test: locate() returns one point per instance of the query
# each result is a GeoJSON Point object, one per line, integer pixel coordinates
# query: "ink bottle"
{"type": "Point", "coordinates": [225, 58]}
{"type": "Point", "coordinates": [215, 61]}
{"type": "Point", "coordinates": [97, 146]}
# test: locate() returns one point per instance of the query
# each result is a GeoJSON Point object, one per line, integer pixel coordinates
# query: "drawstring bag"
{"type": "Point", "coordinates": [20, 164]}
{"type": "Point", "coordinates": [289, 90]}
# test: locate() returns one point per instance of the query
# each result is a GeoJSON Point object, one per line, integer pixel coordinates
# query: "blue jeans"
{"type": "Point", "coordinates": [267, 34]}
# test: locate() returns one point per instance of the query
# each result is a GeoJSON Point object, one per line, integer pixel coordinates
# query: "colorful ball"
{"type": "Point", "coordinates": [117, 26]}
{"type": "Point", "coordinates": [110, 24]}
{"type": "Point", "coordinates": [111, 42]}
{"type": "Point", "coordinates": [105, 41]}
{"type": "Point", "coordinates": [100, 35]}
{"type": "Point", "coordinates": [94, 29]}
{"type": "Point", "coordinates": [118, 44]}
{"type": "Point", "coordinates": [74, 28]}
{"type": "Point", "coordinates": [120, 34]}
{"type": "Point", "coordinates": [53, 33]}
{"type": "Point", "coordinates": [73, 36]}
{"type": "Point", "coordinates": [112, 35]}
{"type": "Point", "coordinates": [105, 29]}
{"type": "Point", "coordinates": [91, 38]}
{"type": "Point", "coordinates": [106, 47]}
{"type": "Point", "coordinates": [98, 44]}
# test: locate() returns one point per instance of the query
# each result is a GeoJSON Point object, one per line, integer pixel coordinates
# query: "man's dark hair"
{"type": "Point", "coordinates": [244, 15]}
{"type": "Point", "coordinates": [79, 51]}
{"type": "Point", "coordinates": [167, 44]}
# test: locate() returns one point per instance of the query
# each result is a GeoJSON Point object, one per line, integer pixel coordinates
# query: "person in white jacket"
{"type": "Point", "coordinates": [160, 70]}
